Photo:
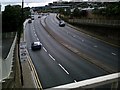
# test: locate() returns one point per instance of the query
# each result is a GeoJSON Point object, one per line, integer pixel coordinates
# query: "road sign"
{"type": "Point", "coordinates": [23, 54]}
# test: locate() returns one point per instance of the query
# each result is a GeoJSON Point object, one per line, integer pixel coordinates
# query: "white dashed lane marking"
{"type": "Point", "coordinates": [51, 57]}
{"type": "Point", "coordinates": [35, 34]}
{"type": "Point", "coordinates": [95, 46]}
{"type": "Point", "coordinates": [63, 68]}
{"type": "Point", "coordinates": [67, 32]}
{"type": "Point", "coordinates": [44, 49]}
{"type": "Point", "coordinates": [38, 39]}
{"type": "Point", "coordinates": [74, 36]}
{"type": "Point", "coordinates": [113, 53]}
{"type": "Point", "coordinates": [82, 40]}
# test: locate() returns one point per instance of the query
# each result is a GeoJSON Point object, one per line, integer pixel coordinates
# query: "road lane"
{"type": "Point", "coordinates": [49, 72]}
{"type": "Point", "coordinates": [77, 68]}
{"type": "Point", "coordinates": [55, 64]}
{"type": "Point", "coordinates": [88, 45]}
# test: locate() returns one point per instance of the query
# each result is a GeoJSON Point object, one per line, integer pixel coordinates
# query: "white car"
{"type": "Point", "coordinates": [36, 46]}
{"type": "Point", "coordinates": [61, 23]}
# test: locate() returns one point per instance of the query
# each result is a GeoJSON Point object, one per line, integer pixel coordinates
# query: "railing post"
{"type": "Point", "coordinates": [114, 86]}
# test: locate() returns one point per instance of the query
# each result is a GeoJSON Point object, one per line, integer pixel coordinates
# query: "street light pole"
{"type": "Point", "coordinates": [22, 9]}
{"type": "Point", "coordinates": [19, 31]}
{"type": "Point", "coordinates": [19, 35]}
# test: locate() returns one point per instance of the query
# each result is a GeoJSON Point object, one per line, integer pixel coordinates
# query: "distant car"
{"type": "Point", "coordinates": [42, 14]}
{"type": "Point", "coordinates": [61, 23]}
{"type": "Point", "coordinates": [39, 16]}
{"type": "Point", "coordinates": [32, 18]}
{"type": "Point", "coordinates": [36, 46]}
{"type": "Point", "coordinates": [30, 21]}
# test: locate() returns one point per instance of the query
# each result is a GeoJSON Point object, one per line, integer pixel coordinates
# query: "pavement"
{"type": "Point", "coordinates": [28, 81]}
{"type": "Point", "coordinates": [27, 76]}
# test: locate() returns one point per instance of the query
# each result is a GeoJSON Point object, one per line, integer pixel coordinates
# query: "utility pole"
{"type": "Point", "coordinates": [22, 9]}
{"type": "Point", "coordinates": [22, 17]}
{"type": "Point", "coordinates": [19, 36]}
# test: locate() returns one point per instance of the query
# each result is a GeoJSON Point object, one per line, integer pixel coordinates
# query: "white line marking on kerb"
{"type": "Point", "coordinates": [44, 49]}
{"type": "Point", "coordinates": [63, 68]}
{"type": "Point", "coordinates": [113, 53]}
{"type": "Point", "coordinates": [51, 57]}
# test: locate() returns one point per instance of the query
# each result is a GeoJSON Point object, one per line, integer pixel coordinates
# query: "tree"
{"type": "Point", "coordinates": [12, 18]}
{"type": "Point", "coordinates": [111, 10]}
{"type": "Point", "coordinates": [76, 12]}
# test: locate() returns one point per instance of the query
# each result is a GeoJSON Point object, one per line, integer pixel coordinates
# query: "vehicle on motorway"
{"type": "Point", "coordinates": [61, 23]}
{"type": "Point", "coordinates": [36, 46]}
{"type": "Point", "coordinates": [32, 18]}
{"type": "Point", "coordinates": [39, 16]}
{"type": "Point", "coordinates": [30, 21]}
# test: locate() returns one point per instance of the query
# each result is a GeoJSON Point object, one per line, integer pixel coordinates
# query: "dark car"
{"type": "Point", "coordinates": [32, 18]}
{"type": "Point", "coordinates": [61, 23]}
{"type": "Point", "coordinates": [39, 16]}
{"type": "Point", "coordinates": [30, 21]}
{"type": "Point", "coordinates": [36, 46]}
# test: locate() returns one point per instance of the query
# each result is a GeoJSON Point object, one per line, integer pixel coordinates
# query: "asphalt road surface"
{"type": "Point", "coordinates": [55, 64]}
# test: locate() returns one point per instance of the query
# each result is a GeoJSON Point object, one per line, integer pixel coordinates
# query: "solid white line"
{"type": "Point", "coordinates": [63, 68]}
{"type": "Point", "coordinates": [44, 49]}
{"type": "Point", "coordinates": [113, 53]}
{"type": "Point", "coordinates": [51, 57]}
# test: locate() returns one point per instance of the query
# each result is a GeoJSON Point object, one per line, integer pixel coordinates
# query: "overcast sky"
{"type": "Point", "coordinates": [30, 3]}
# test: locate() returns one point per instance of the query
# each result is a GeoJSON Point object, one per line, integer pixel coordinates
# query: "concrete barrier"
{"type": "Point", "coordinates": [92, 83]}
{"type": "Point", "coordinates": [7, 64]}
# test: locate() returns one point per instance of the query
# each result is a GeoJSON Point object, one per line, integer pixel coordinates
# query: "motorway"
{"type": "Point", "coordinates": [62, 59]}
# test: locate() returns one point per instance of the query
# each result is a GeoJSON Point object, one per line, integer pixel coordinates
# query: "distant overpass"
{"type": "Point", "coordinates": [60, 6]}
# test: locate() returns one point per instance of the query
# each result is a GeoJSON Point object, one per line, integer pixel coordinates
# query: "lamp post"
{"type": "Point", "coordinates": [19, 31]}
{"type": "Point", "coordinates": [22, 9]}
